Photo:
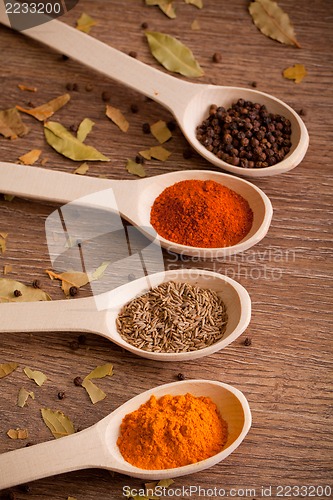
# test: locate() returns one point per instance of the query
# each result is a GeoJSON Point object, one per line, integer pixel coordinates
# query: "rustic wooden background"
{"type": "Point", "coordinates": [286, 372]}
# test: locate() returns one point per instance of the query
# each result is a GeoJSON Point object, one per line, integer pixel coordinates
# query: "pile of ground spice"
{"type": "Point", "coordinates": [172, 431]}
{"type": "Point", "coordinates": [202, 214]}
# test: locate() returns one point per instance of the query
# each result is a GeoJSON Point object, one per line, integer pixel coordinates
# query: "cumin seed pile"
{"type": "Point", "coordinates": [173, 317]}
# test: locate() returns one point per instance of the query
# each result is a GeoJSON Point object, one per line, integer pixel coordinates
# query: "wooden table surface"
{"type": "Point", "coordinates": [286, 372]}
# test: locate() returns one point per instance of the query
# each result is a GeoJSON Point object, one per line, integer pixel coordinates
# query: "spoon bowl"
{"type": "Point", "coordinates": [133, 199]}
{"type": "Point", "coordinates": [188, 102]}
{"type": "Point", "coordinates": [98, 314]}
{"type": "Point", "coordinates": [198, 109]}
{"type": "Point", "coordinates": [96, 446]}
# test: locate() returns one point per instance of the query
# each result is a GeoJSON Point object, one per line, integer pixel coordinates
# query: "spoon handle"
{"type": "Point", "coordinates": [46, 185]}
{"type": "Point", "coordinates": [78, 451]}
{"type": "Point", "coordinates": [169, 91]}
{"type": "Point", "coordinates": [78, 315]}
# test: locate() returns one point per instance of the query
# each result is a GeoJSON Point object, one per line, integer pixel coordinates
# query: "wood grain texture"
{"type": "Point", "coordinates": [286, 373]}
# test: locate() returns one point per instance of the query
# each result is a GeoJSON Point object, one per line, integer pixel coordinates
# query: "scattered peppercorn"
{"type": "Point", "coordinates": [74, 127]}
{"type": "Point", "coordinates": [17, 293]}
{"type": "Point", "coordinates": [74, 345]}
{"type": "Point", "coordinates": [134, 108]}
{"type": "Point", "coordinates": [134, 54]}
{"type": "Point", "coordinates": [75, 87]}
{"type": "Point", "coordinates": [181, 376]}
{"type": "Point", "coordinates": [254, 85]}
{"type": "Point", "coordinates": [89, 87]}
{"type": "Point", "coordinates": [35, 283]}
{"type": "Point", "coordinates": [70, 86]}
{"type": "Point", "coordinates": [82, 339]}
{"type": "Point", "coordinates": [64, 57]}
{"type": "Point", "coordinates": [146, 128]}
{"type": "Point", "coordinates": [247, 341]}
{"type": "Point", "coordinates": [106, 96]}
{"type": "Point", "coordinates": [302, 112]}
{"type": "Point", "coordinates": [61, 395]}
{"type": "Point", "coordinates": [246, 135]}
{"type": "Point", "coordinates": [217, 57]}
{"type": "Point", "coordinates": [139, 159]}
{"type": "Point", "coordinates": [78, 381]}
{"type": "Point", "coordinates": [172, 125]}
{"type": "Point", "coordinates": [25, 488]}
{"type": "Point", "coordinates": [31, 104]}
{"type": "Point", "coordinates": [73, 291]}
{"type": "Point", "coordinates": [144, 26]}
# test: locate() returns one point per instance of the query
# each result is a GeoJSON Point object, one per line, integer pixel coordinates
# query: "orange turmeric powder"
{"type": "Point", "coordinates": [201, 214]}
{"type": "Point", "coordinates": [172, 431]}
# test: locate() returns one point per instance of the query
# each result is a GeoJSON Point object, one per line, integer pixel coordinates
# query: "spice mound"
{"type": "Point", "coordinates": [246, 135]}
{"type": "Point", "coordinates": [201, 214]}
{"type": "Point", "coordinates": [173, 317]}
{"type": "Point", "coordinates": [172, 431]}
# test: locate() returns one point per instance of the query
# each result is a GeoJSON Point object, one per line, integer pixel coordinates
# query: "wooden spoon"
{"type": "Point", "coordinates": [98, 314]}
{"type": "Point", "coordinates": [188, 102]}
{"type": "Point", "coordinates": [133, 199]}
{"type": "Point", "coordinates": [96, 446]}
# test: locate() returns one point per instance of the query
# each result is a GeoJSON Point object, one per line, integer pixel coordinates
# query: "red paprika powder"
{"type": "Point", "coordinates": [201, 214]}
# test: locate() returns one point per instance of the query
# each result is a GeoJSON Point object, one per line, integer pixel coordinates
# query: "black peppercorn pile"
{"type": "Point", "coordinates": [246, 135]}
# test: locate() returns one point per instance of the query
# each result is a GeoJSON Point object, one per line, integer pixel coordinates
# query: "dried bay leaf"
{"type": "Point", "coordinates": [7, 269]}
{"type": "Point", "coordinates": [84, 129]}
{"type": "Point", "coordinates": [99, 272]}
{"type": "Point", "coordinates": [18, 433]}
{"type": "Point", "coordinates": [150, 487]}
{"type": "Point", "coordinates": [69, 279]}
{"type": "Point", "coordinates": [100, 371]}
{"type": "Point", "coordinates": [95, 393]}
{"type": "Point", "coordinates": [35, 375]}
{"type": "Point", "coordinates": [165, 483]}
{"type": "Point", "coordinates": [117, 117]}
{"type": "Point", "coordinates": [23, 396]}
{"type": "Point", "coordinates": [296, 73]}
{"type": "Point", "coordinates": [31, 157]}
{"type": "Point", "coordinates": [166, 6]}
{"type": "Point", "coordinates": [3, 242]}
{"type": "Point", "coordinates": [195, 26]}
{"type": "Point", "coordinates": [77, 279]}
{"type": "Point", "coordinates": [7, 368]}
{"type": "Point", "coordinates": [82, 169]}
{"type": "Point", "coordinates": [46, 110]}
{"type": "Point", "coordinates": [157, 152]}
{"type": "Point", "coordinates": [273, 22]}
{"type": "Point", "coordinates": [28, 293]}
{"type": "Point", "coordinates": [85, 23]}
{"type": "Point", "coordinates": [25, 87]}
{"type": "Point", "coordinates": [160, 131]}
{"type": "Point", "coordinates": [145, 154]}
{"type": "Point", "coordinates": [196, 3]}
{"type": "Point", "coordinates": [172, 54]}
{"type": "Point", "coordinates": [60, 139]}
{"type": "Point", "coordinates": [135, 168]}
{"type": "Point", "coordinates": [11, 124]}
{"type": "Point", "coordinates": [57, 422]}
